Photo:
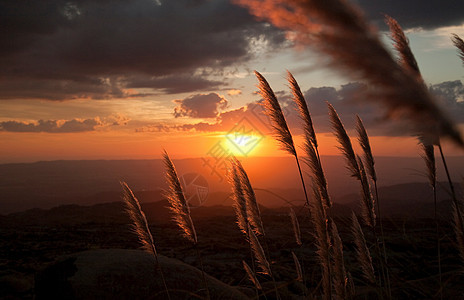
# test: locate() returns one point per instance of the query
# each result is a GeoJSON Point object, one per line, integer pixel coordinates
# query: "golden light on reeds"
{"type": "Point", "coordinates": [177, 201]}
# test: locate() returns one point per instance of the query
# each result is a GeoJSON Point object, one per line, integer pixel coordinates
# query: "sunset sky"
{"type": "Point", "coordinates": [125, 79]}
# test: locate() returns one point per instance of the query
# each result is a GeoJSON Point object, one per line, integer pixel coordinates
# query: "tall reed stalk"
{"type": "Point", "coordinates": [279, 124]}
{"type": "Point", "coordinates": [333, 262]}
{"type": "Point", "coordinates": [249, 218]}
{"type": "Point", "coordinates": [356, 168]}
{"type": "Point", "coordinates": [141, 229]}
{"type": "Point", "coordinates": [408, 62]}
{"type": "Point", "coordinates": [363, 139]}
{"type": "Point", "coordinates": [181, 211]}
{"type": "Point", "coordinates": [310, 147]}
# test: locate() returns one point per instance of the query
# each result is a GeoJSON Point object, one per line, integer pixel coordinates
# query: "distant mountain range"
{"type": "Point", "coordinates": [413, 200]}
{"type": "Point", "coordinates": [56, 183]}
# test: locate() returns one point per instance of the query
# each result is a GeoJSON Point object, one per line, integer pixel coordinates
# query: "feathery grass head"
{"type": "Point", "coordinates": [363, 254]}
{"type": "Point", "coordinates": [251, 275]}
{"type": "Point", "coordinates": [429, 158]}
{"type": "Point", "coordinates": [363, 139]}
{"type": "Point", "coordinates": [176, 198]}
{"type": "Point", "coordinates": [302, 109]}
{"type": "Point", "coordinates": [240, 205]}
{"type": "Point", "coordinates": [344, 141]}
{"type": "Point", "coordinates": [139, 221]}
{"type": "Point", "coordinates": [317, 173]}
{"type": "Point", "coordinates": [252, 208]}
{"type": "Point", "coordinates": [296, 226]}
{"type": "Point", "coordinates": [458, 43]}
{"type": "Point", "coordinates": [258, 251]}
{"type": "Point", "coordinates": [401, 44]}
{"type": "Point", "coordinates": [274, 111]}
{"type": "Point", "coordinates": [367, 201]}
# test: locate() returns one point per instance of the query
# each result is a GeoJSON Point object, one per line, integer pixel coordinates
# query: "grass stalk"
{"type": "Point", "coordinates": [181, 211]}
{"type": "Point", "coordinates": [369, 161]}
{"type": "Point", "coordinates": [141, 228]}
{"type": "Point", "coordinates": [279, 124]}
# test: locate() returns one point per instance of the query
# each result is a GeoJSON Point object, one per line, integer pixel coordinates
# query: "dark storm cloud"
{"type": "Point", "coordinates": [200, 106]}
{"type": "Point", "coordinates": [138, 43]}
{"type": "Point", "coordinates": [428, 14]}
{"type": "Point", "coordinates": [173, 84]}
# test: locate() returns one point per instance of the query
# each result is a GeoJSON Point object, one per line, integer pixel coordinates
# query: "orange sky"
{"type": "Point", "coordinates": [106, 81]}
{"type": "Point", "coordinates": [29, 147]}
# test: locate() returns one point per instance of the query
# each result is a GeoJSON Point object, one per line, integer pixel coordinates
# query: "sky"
{"type": "Point", "coordinates": [125, 79]}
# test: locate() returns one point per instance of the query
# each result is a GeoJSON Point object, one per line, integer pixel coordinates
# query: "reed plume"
{"type": "Point", "coordinates": [313, 161]}
{"type": "Point", "coordinates": [274, 111]}
{"type": "Point", "coordinates": [401, 44]}
{"type": "Point", "coordinates": [429, 159]}
{"type": "Point", "coordinates": [181, 211]}
{"type": "Point", "coordinates": [338, 30]}
{"type": "Point", "coordinates": [139, 221]}
{"type": "Point", "coordinates": [179, 205]}
{"type": "Point", "coordinates": [363, 254]}
{"type": "Point", "coordinates": [282, 133]}
{"type": "Point", "coordinates": [345, 143]}
{"type": "Point", "coordinates": [303, 110]}
{"type": "Point", "coordinates": [408, 62]}
{"type": "Point", "coordinates": [258, 251]}
{"type": "Point", "coordinates": [240, 203]}
{"type": "Point", "coordinates": [252, 209]}
{"type": "Point", "coordinates": [296, 227]}
{"type": "Point", "coordinates": [367, 203]}
{"type": "Point", "coordinates": [251, 275]}
{"type": "Point", "coordinates": [459, 44]}
{"type": "Point", "coordinates": [363, 139]}
{"type": "Point", "coordinates": [299, 270]}
{"type": "Point", "coordinates": [310, 144]}
{"type": "Point", "coordinates": [141, 228]}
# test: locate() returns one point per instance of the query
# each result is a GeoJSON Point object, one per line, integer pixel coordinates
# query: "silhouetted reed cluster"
{"type": "Point", "coordinates": [338, 30]}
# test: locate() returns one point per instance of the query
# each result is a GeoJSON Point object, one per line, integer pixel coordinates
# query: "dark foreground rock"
{"type": "Point", "coordinates": [125, 274]}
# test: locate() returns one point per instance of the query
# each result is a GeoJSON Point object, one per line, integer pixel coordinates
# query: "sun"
{"type": "Point", "coordinates": [240, 144]}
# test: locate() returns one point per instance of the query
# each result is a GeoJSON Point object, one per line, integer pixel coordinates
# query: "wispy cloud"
{"type": "Point", "coordinates": [64, 126]}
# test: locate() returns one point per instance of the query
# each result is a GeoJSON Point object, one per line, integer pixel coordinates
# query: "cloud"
{"type": "Point", "coordinates": [98, 49]}
{"type": "Point", "coordinates": [346, 100]}
{"type": "Point", "coordinates": [200, 106]}
{"type": "Point", "coordinates": [234, 92]}
{"type": "Point", "coordinates": [451, 96]}
{"type": "Point", "coordinates": [429, 14]}
{"type": "Point", "coordinates": [64, 126]}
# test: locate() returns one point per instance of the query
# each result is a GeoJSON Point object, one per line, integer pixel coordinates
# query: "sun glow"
{"type": "Point", "coordinates": [240, 144]}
